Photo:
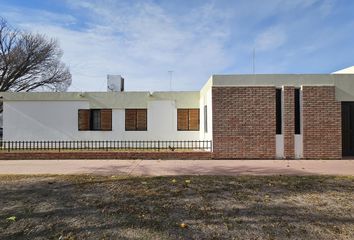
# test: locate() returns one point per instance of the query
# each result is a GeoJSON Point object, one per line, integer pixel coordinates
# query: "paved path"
{"type": "Point", "coordinates": [178, 167]}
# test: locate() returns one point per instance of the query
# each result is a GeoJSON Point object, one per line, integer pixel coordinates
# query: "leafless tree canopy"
{"type": "Point", "coordinates": [30, 62]}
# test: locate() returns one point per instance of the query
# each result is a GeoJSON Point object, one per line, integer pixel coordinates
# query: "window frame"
{"type": "Point", "coordinates": [91, 117]}
{"type": "Point", "coordinates": [188, 124]}
{"type": "Point", "coordinates": [136, 119]}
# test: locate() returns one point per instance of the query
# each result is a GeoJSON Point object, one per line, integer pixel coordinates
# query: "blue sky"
{"type": "Point", "coordinates": [143, 40]}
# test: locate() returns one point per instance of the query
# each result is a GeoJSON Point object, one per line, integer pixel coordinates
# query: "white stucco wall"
{"type": "Point", "coordinates": [298, 148]}
{"type": "Point", "coordinates": [279, 145]}
{"type": "Point", "coordinates": [58, 120]}
{"type": "Point", "coordinates": [206, 100]}
{"type": "Point", "coordinates": [349, 70]}
{"type": "Point", "coordinates": [37, 120]}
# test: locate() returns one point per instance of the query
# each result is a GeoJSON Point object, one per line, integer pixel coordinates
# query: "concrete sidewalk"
{"type": "Point", "coordinates": [178, 167]}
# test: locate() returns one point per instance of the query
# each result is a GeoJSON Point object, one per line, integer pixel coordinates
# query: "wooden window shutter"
{"type": "Point", "coordinates": [130, 119]}
{"type": "Point", "coordinates": [84, 119]}
{"type": "Point", "coordinates": [141, 119]}
{"type": "Point", "coordinates": [106, 119]}
{"type": "Point", "coordinates": [182, 119]}
{"type": "Point", "coordinates": [194, 119]}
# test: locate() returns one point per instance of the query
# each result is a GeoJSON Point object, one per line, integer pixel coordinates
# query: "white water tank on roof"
{"type": "Point", "coordinates": [115, 83]}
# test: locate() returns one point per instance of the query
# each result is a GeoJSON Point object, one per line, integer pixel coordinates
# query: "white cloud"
{"type": "Point", "coordinates": [270, 39]}
{"type": "Point", "coordinates": [300, 3]}
{"type": "Point", "coordinates": [37, 16]}
{"type": "Point", "coordinates": [142, 40]}
{"type": "Point", "coordinates": [142, 43]}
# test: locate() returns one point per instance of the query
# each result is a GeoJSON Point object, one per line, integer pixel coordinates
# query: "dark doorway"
{"type": "Point", "coordinates": [348, 128]}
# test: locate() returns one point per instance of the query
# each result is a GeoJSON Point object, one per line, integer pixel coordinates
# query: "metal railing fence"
{"type": "Point", "coordinates": [8, 146]}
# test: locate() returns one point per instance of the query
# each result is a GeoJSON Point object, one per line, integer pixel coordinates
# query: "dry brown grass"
{"type": "Point", "coordinates": [210, 207]}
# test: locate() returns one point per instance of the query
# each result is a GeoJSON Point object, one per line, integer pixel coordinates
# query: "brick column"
{"type": "Point", "coordinates": [322, 127]}
{"type": "Point", "coordinates": [289, 122]}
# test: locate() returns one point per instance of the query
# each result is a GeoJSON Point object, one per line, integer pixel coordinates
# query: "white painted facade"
{"type": "Point", "coordinates": [58, 120]}
{"type": "Point", "coordinates": [279, 145]}
{"type": "Point", "coordinates": [41, 120]}
{"type": "Point", "coordinates": [206, 100]}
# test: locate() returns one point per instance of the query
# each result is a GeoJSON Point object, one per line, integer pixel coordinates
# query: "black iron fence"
{"type": "Point", "coordinates": [8, 146]}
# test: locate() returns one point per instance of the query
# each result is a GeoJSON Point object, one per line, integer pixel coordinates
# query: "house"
{"type": "Point", "coordinates": [245, 116]}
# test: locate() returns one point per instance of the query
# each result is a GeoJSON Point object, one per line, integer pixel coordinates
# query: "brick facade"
{"type": "Point", "coordinates": [243, 122]}
{"type": "Point", "coordinates": [321, 123]}
{"type": "Point", "coordinates": [105, 155]}
{"type": "Point", "coordinates": [289, 122]}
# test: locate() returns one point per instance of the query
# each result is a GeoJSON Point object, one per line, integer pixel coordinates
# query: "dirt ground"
{"type": "Point", "coordinates": [176, 207]}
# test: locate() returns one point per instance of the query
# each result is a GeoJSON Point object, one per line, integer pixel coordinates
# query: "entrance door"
{"type": "Point", "coordinates": [348, 128]}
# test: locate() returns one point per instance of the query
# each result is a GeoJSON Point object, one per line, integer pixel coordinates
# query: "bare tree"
{"type": "Point", "coordinates": [30, 62]}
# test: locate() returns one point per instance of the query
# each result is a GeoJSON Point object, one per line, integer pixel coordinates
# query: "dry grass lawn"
{"type": "Point", "coordinates": [185, 207]}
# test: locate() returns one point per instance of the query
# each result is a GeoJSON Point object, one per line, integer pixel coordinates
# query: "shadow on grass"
{"type": "Point", "coordinates": [213, 207]}
{"type": "Point", "coordinates": [145, 170]}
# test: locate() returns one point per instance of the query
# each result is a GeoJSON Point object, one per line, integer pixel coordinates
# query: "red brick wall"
{"type": "Point", "coordinates": [104, 155]}
{"type": "Point", "coordinates": [321, 123]}
{"type": "Point", "coordinates": [289, 122]}
{"type": "Point", "coordinates": [243, 122]}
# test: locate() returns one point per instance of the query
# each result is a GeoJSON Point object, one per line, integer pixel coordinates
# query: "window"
{"type": "Point", "coordinates": [135, 119]}
{"type": "Point", "coordinates": [278, 111]}
{"type": "Point", "coordinates": [297, 112]}
{"type": "Point", "coordinates": [95, 119]}
{"type": "Point", "coordinates": [188, 119]}
{"type": "Point", "coordinates": [205, 119]}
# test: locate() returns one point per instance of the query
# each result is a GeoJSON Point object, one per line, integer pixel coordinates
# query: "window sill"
{"type": "Point", "coordinates": [188, 130]}
{"type": "Point", "coordinates": [95, 130]}
{"type": "Point", "coordinates": [136, 130]}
